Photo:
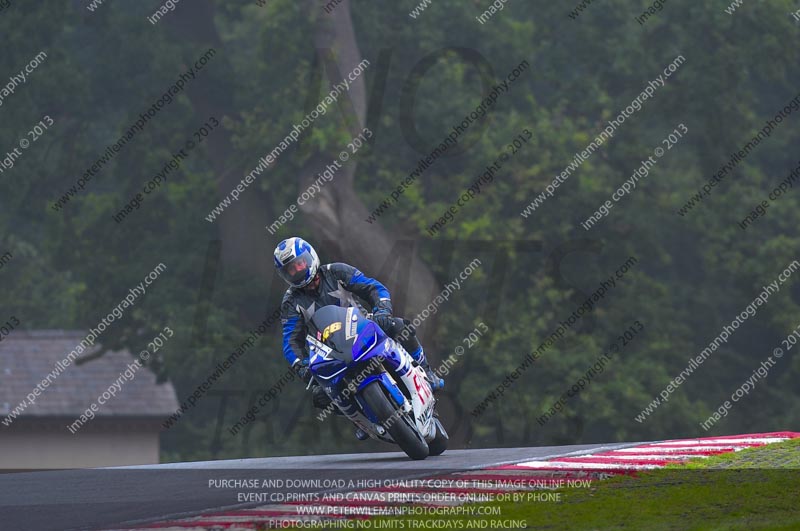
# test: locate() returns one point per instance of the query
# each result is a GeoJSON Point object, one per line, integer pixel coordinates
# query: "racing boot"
{"type": "Point", "coordinates": [320, 398]}
{"type": "Point", "coordinates": [433, 379]}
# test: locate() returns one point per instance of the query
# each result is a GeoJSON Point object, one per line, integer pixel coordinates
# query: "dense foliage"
{"type": "Point", "coordinates": [694, 273]}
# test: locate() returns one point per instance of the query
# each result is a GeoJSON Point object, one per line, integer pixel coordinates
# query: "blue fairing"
{"type": "Point", "coordinates": [349, 353]}
{"type": "Point", "coordinates": [391, 358]}
{"type": "Point", "coordinates": [327, 369]}
{"type": "Point", "coordinates": [370, 338]}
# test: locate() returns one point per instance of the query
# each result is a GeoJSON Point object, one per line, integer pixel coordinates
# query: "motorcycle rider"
{"type": "Point", "coordinates": [312, 286]}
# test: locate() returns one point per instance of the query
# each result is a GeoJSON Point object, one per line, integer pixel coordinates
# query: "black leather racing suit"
{"type": "Point", "coordinates": [338, 283]}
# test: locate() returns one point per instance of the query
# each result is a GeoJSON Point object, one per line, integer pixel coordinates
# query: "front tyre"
{"type": "Point", "coordinates": [396, 424]}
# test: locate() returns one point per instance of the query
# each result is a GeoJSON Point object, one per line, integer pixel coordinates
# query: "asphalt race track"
{"type": "Point", "coordinates": [102, 498]}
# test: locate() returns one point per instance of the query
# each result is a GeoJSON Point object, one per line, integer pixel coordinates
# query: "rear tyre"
{"type": "Point", "coordinates": [439, 444]}
{"type": "Point", "coordinates": [398, 427]}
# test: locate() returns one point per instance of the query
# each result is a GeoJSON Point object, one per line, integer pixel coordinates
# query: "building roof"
{"type": "Point", "coordinates": [27, 357]}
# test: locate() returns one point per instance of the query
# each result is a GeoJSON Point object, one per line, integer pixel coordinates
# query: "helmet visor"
{"type": "Point", "coordinates": [297, 271]}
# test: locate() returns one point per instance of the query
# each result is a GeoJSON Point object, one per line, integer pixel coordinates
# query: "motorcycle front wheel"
{"type": "Point", "coordinates": [394, 421]}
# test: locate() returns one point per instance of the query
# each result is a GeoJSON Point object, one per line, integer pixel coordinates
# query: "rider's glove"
{"type": "Point", "coordinates": [302, 371]}
{"type": "Point", "coordinates": [382, 315]}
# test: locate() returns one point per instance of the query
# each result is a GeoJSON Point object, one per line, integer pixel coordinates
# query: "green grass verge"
{"type": "Point", "coordinates": [757, 488]}
{"type": "Point", "coordinates": [785, 455]}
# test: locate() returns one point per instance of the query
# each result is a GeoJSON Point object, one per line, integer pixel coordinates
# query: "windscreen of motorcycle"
{"type": "Point", "coordinates": [337, 328]}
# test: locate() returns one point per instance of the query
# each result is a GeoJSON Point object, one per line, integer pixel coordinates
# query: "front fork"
{"type": "Point", "coordinates": [421, 404]}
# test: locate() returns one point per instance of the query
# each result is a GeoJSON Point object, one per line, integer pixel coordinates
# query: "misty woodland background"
{"type": "Point", "coordinates": [694, 274]}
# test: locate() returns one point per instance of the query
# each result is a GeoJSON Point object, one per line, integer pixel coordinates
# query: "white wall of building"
{"type": "Point", "coordinates": [48, 450]}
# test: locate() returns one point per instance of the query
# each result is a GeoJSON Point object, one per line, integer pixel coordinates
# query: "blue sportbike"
{"type": "Point", "coordinates": [374, 381]}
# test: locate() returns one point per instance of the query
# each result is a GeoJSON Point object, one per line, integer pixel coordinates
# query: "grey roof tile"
{"type": "Point", "coordinates": [27, 357]}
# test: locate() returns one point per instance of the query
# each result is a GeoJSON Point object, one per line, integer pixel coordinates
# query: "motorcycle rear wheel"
{"type": "Point", "coordinates": [396, 423]}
